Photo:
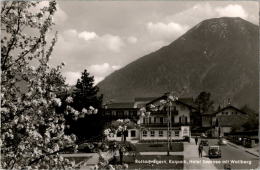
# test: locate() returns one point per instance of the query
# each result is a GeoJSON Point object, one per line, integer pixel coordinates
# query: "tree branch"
{"type": "Point", "coordinates": [14, 40]}
{"type": "Point", "coordinates": [3, 8]}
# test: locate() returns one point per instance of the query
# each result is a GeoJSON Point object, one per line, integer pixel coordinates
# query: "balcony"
{"type": "Point", "coordinates": [164, 124]}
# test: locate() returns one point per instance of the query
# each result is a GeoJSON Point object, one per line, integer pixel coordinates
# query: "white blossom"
{"type": "Point", "coordinates": [148, 113]}
{"type": "Point", "coordinates": [34, 108]}
{"type": "Point", "coordinates": [4, 110]}
{"type": "Point", "coordinates": [162, 101]}
{"type": "Point", "coordinates": [107, 131]}
{"type": "Point", "coordinates": [35, 102]}
{"type": "Point", "coordinates": [110, 167]}
{"type": "Point", "coordinates": [91, 108]}
{"type": "Point", "coordinates": [120, 128]}
{"type": "Point", "coordinates": [76, 113]}
{"type": "Point", "coordinates": [143, 109]}
{"type": "Point", "coordinates": [69, 99]}
{"type": "Point", "coordinates": [15, 120]}
{"type": "Point", "coordinates": [29, 94]}
{"type": "Point", "coordinates": [151, 106]}
{"type": "Point", "coordinates": [120, 120]}
{"type": "Point", "coordinates": [85, 111]}
{"type": "Point", "coordinates": [56, 147]}
{"type": "Point", "coordinates": [57, 102]}
{"type": "Point", "coordinates": [95, 111]}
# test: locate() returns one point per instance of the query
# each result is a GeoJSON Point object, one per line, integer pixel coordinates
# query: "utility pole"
{"type": "Point", "coordinates": [169, 121]}
{"type": "Point", "coordinates": [168, 132]}
{"type": "Point", "coordinates": [170, 126]}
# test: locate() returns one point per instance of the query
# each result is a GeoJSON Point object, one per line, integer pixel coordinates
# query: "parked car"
{"type": "Point", "coordinates": [222, 141]}
{"type": "Point", "coordinates": [214, 152]}
{"type": "Point", "coordinates": [204, 142]}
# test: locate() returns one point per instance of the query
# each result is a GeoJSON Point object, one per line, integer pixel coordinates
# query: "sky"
{"type": "Point", "coordinates": [104, 36]}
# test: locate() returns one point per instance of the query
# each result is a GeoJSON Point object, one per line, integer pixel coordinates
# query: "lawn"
{"type": "Point", "coordinates": [156, 162]}
{"type": "Point", "coordinates": [158, 147]}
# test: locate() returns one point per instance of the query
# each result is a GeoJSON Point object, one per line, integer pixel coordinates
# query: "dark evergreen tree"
{"type": "Point", "coordinates": [85, 94]}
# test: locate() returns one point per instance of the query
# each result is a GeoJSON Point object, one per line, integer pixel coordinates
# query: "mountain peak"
{"type": "Point", "coordinates": [223, 28]}
{"type": "Point", "coordinates": [218, 55]}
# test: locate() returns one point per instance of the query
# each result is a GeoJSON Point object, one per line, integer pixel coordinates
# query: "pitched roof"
{"type": "Point", "coordinates": [229, 107]}
{"type": "Point", "coordinates": [184, 101]}
{"type": "Point", "coordinates": [120, 105]}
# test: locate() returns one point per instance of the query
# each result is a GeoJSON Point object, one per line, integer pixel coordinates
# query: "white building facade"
{"type": "Point", "coordinates": [156, 127]}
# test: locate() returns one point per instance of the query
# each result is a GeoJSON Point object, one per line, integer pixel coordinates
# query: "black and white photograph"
{"type": "Point", "coordinates": [129, 84]}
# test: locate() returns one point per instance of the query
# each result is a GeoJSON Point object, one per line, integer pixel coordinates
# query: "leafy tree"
{"type": "Point", "coordinates": [204, 103]}
{"type": "Point", "coordinates": [32, 131]}
{"type": "Point", "coordinates": [86, 93]}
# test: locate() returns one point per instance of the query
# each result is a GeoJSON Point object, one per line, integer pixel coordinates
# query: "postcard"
{"type": "Point", "coordinates": [129, 84]}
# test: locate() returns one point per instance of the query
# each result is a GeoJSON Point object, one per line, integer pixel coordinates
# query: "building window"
{"type": "Point", "coordinates": [165, 120]}
{"type": "Point", "coordinates": [144, 133]}
{"type": "Point", "coordinates": [160, 133]}
{"type": "Point", "coordinates": [161, 119]}
{"type": "Point", "coordinates": [175, 111]}
{"type": "Point", "coordinates": [126, 113]}
{"type": "Point", "coordinates": [150, 120]}
{"type": "Point", "coordinates": [133, 133]}
{"type": "Point", "coordinates": [145, 120]}
{"type": "Point", "coordinates": [120, 113]}
{"type": "Point", "coordinates": [152, 133]}
{"type": "Point", "coordinates": [184, 119]}
{"type": "Point", "coordinates": [114, 113]}
{"type": "Point", "coordinates": [177, 133]}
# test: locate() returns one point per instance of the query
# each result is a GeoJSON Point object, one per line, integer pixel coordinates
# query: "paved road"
{"type": "Point", "coordinates": [238, 158]}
